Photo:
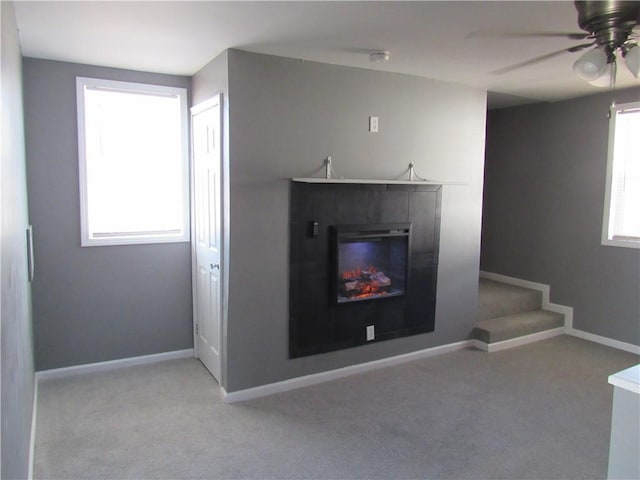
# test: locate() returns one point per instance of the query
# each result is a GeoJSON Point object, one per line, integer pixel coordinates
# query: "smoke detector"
{"type": "Point", "coordinates": [379, 56]}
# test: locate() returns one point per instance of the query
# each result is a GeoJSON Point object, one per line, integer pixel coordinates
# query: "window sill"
{"type": "Point", "coordinates": [114, 241]}
{"type": "Point", "coordinates": [619, 242]}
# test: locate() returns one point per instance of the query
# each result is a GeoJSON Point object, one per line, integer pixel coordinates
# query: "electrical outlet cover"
{"type": "Point", "coordinates": [371, 332]}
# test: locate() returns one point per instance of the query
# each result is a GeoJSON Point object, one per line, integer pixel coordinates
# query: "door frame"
{"type": "Point", "coordinates": [216, 99]}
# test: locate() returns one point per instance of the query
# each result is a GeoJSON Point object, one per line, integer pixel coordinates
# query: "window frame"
{"type": "Point", "coordinates": [608, 206]}
{"type": "Point", "coordinates": [87, 238]}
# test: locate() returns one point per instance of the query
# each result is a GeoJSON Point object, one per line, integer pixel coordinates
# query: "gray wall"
{"type": "Point", "coordinates": [285, 117]}
{"type": "Point", "coordinates": [92, 304]}
{"type": "Point", "coordinates": [15, 309]}
{"type": "Point", "coordinates": [543, 204]}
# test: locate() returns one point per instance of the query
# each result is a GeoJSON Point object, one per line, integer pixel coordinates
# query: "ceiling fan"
{"type": "Point", "coordinates": [610, 28]}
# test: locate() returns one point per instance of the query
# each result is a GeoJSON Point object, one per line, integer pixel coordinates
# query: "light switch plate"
{"type": "Point", "coordinates": [373, 124]}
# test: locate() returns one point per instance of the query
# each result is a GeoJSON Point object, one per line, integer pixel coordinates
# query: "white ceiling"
{"type": "Point", "coordinates": [428, 39]}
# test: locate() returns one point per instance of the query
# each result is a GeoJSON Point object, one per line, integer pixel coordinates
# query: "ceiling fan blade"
{"type": "Point", "coordinates": [582, 46]}
{"type": "Point", "coordinates": [506, 34]}
{"type": "Point", "coordinates": [533, 61]}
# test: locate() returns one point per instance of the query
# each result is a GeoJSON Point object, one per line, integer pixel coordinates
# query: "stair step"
{"type": "Point", "coordinates": [494, 330]}
{"type": "Point", "coordinates": [497, 299]}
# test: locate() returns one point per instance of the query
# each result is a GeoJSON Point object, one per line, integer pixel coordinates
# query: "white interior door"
{"type": "Point", "coordinates": [206, 134]}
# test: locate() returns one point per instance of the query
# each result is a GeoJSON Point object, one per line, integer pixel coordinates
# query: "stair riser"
{"type": "Point", "coordinates": [517, 325]}
{"type": "Point", "coordinates": [525, 303]}
{"type": "Point", "coordinates": [498, 300]}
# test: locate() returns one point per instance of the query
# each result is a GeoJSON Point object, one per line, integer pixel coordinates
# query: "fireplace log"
{"type": "Point", "coordinates": [381, 279]}
{"type": "Point", "coordinates": [351, 287]}
{"type": "Point", "coordinates": [364, 282]}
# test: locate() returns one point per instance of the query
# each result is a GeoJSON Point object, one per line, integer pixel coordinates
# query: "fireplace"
{"type": "Point", "coordinates": [371, 262]}
{"type": "Point", "coordinates": [363, 264]}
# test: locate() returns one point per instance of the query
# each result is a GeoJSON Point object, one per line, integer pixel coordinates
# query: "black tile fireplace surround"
{"type": "Point", "coordinates": [361, 255]}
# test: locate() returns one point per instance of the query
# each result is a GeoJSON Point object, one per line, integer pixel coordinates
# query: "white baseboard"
{"type": "Point", "coordinates": [322, 377]}
{"type": "Point", "coordinates": [32, 439]}
{"type": "Point", "coordinates": [541, 287]}
{"type": "Point", "coordinates": [112, 364]}
{"type": "Point", "coordinates": [519, 341]}
{"type": "Point", "coordinates": [609, 342]}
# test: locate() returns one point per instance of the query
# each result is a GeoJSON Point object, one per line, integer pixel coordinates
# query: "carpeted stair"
{"type": "Point", "coordinates": [507, 312]}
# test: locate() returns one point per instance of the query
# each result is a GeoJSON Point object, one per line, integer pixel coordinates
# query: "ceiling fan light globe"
{"type": "Point", "coordinates": [632, 59]}
{"type": "Point", "coordinates": [604, 80]}
{"type": "Point", "coordinates": [590, 66]}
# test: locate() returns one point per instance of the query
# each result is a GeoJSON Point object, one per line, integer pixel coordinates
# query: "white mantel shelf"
{"type": "Point", "coordinates": [373, 182]}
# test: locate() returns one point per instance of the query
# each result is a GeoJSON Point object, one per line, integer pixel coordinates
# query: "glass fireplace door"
{"type": "Point", "coordinates": [371, 261]}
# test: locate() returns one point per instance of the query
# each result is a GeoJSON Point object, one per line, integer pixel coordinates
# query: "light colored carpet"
{"type": "Point", "coordinates": [539, 411]}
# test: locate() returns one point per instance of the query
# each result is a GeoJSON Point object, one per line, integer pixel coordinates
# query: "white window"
{"type": "Point", "coordinates": [133, 162]}
{"type": "Point", "coordinates": [621, 226]}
